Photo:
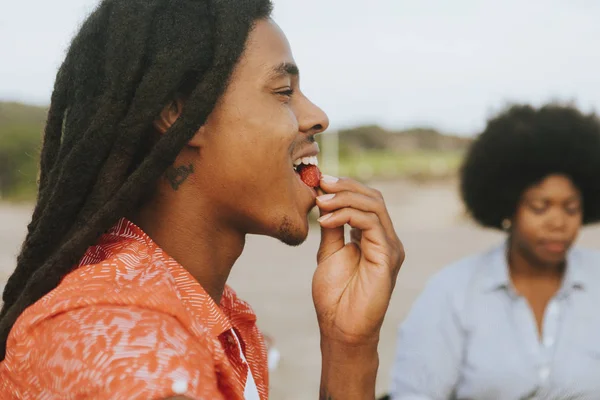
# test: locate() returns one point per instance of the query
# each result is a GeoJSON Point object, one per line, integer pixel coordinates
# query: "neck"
{"type": "Point", "coordinates": [197, 240]}
{"type": "Point", "coordinates": [524, 267]}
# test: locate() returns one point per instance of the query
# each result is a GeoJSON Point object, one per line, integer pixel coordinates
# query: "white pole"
{"type": "Point", "coordinates": [331, 154]}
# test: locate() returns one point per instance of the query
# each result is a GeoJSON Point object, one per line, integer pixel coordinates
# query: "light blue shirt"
{"type": "Point", "coordinates": [471, 336]}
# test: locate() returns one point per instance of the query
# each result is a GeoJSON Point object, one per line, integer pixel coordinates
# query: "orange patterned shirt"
{"type": "Point", "coordinates": [131, 323]}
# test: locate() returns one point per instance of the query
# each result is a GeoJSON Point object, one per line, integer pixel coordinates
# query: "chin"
{"type": "Point", "coordinates": [292, 234]}
{"type": "Point", "coordinates": [552, 260]}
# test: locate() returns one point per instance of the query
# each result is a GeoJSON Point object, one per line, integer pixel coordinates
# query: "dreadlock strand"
{"type": "Point", "coordinates": [140, 116]}
{"type": "Point", "coordinates": [34, 249]}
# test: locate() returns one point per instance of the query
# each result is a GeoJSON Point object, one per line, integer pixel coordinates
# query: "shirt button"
{"type": "Point", "coordinates": [553, 309]}
{"type": "Point", "coordinates": [180, 386]}
{"type": "Point", "coordinates": [544, 373]}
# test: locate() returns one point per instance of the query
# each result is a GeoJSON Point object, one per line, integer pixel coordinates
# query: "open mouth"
{"type": "Point", "coordinates": [308, 170]}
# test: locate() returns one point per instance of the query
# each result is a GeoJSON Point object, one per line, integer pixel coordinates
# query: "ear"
{"type": "Point", "coordinates": [168, 116]}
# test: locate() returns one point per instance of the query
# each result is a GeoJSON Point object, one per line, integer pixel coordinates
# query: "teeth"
{"type": "Point", "coordinates": [312, 160]}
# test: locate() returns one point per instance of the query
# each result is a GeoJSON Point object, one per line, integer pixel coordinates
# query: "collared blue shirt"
{"type": "Point", "coordinates": [471, 336]}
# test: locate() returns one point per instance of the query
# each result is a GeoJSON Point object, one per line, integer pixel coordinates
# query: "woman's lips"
{"type": "Point", "coordinates": [555, 247]}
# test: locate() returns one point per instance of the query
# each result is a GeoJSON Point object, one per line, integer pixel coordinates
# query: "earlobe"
{"type": "Point", "coordinates": [167, 117]}
{"type": "Point", "coordinates": [197, 139]}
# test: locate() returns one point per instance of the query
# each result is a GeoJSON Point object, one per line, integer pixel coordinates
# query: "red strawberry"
{"type": "Point", "coordinates": [310, 175]}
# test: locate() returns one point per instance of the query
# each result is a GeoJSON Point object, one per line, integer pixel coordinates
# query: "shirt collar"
{"type": "Point", "coordinates": [498, 276]}
{"type": "Point", "coordinates": [575, 273]}
{"type": "Point", "coordinates": [232, 312]}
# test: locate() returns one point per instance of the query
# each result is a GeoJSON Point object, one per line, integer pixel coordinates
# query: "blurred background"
{"type": "Point", "coordinates": [406, 85]}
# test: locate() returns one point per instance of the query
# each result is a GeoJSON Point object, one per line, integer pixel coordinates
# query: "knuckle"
{"type": "Point", "coordinates": [398, 242]}
{"type": "Point", "coordinates": [344, 212]}
{"type": "Point", "coordinates": [397, 250]}
{"type": "Point", "coordinates": [380, 203]}
{"type": "Point", "coordinates": [377, 194]}
{"type": "Point", "coordinates": [401, 257]}
{"type": "Point", "coordinates": [343, 196]}
{"type": "Point", "coordinates": [373, 217]}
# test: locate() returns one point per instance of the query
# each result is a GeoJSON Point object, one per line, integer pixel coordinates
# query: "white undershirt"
{"type": "Point", "coordinates": [250, 391]}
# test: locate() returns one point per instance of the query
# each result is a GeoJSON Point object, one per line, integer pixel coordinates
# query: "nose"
{"type": "Point", "coordinates": [311, 118]}
{"type": "Point", "coordinates": [557, 220]}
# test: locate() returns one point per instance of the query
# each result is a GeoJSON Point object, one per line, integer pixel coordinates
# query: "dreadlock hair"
{"type": "Point", "coordinates": [521, 147]}
{"type": "Point", "coordinates": [99, 154]}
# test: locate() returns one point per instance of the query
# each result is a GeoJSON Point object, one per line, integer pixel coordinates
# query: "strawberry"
{"type": "Point", "coordinates": [310, 175]}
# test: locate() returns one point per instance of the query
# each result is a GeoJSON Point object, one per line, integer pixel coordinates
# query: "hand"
{"type": "Point", "coordinates": [353, 283]}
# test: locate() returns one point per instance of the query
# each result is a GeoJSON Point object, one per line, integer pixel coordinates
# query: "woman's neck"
{"type": "Point", "coordinates": [527, 267]}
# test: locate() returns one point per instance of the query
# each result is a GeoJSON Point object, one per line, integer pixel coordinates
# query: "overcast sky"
{"type": "Point", "coordinates": [399, 63]}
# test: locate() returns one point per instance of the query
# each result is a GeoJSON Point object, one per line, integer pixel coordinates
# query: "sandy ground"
{"type": "Point", "coordinates": [276, 279]}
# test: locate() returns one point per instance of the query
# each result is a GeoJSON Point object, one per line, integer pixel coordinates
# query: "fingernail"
{"type": "Point", "coordinates": [324, 217]}
{"type": "Point", "coordinates": [326, 197]}
{"type": "Point", "coordinates": [329, 179]}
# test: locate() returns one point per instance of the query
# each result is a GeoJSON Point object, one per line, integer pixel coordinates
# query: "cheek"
{"type": "Point", "coordinates": [250, 165]}
{"type": "Point", "coordinates": [250, 146]}
{"type": "Point", "coordinates": [527, 228]}
{"type": "Point", "coordinates": [575, 224]}
{"type": "Point", "coordinates": [524, 238]}
{"type": "Point", "coordinates": [267, 141]}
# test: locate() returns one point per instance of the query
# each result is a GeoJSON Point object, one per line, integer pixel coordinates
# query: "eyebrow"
{"type": "Point", "coordinates": [284, 69]}
{"type": "Point", "coordinates": [536, 197]}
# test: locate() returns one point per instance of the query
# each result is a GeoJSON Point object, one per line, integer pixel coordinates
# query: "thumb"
{"type": "Point", "coordinates": [332, 241]}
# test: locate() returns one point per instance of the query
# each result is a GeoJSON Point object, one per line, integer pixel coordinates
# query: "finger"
{"type": "Point", "coordinates": [332, 240]}
{"type": "Point", "coordinates": [334, 201]}
{"type": "Point", "coordinates": [331, 184]}
{"type": "Point", "coordinates": [367, 222]}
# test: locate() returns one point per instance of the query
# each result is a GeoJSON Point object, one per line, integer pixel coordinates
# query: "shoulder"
{"type": "Point", "coordinates": [588, 256]}
{"type": "Point", "coordinates": [83, 333]}
{"type": "Point", "coordinates": [588, 263]}
{"type": "Point", "coordinates": [465, 272]}
{"type": "Point", "coordinates": [111, 351]}
{"type": "Point", "coordinates": [120, 276]}
{"type": "Point", "coordinates": [457, 285]}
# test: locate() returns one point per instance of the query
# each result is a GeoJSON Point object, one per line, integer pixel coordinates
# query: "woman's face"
{"type": "Point", "coordinates": [547, 220]}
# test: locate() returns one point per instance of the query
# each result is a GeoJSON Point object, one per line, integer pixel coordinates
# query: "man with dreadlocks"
{"type": "Point", "coordinates": [173, 132]}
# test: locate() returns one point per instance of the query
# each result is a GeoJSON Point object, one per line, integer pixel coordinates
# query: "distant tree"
{"type": "Point", "coordinates": [20, 139]}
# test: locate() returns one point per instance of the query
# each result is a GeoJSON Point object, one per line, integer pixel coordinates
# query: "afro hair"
{"type": "Point", "coordinates": [519, 148]}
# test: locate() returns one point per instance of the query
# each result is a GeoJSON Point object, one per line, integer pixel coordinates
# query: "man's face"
{"type": "Point", "coordinates": [258, 128]}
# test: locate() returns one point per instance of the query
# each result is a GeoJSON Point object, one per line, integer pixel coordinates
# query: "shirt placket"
{"type": "Point", "coordinates": [541, 348]}
{"type": "Point", "coordinates": [234, 353]}
{"type": "Point", "coordinates": [549, 336]}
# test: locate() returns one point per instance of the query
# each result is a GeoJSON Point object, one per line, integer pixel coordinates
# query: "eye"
{"type": "Point", "coordinates": [538, 207]}
{"type": "Point", "coordinates": [573, 208]}
{"type": "Point", "coordinates": [288, 92]}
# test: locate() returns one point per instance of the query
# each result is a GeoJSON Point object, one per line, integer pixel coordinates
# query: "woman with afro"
{"type": "Point", "coordinates": [519, 321]}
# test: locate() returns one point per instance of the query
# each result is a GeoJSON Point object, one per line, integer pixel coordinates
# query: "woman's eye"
{"type": "Point", "coordinates": [538, 208]}
{"type": "Point", "coordinates": [573, 209]}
